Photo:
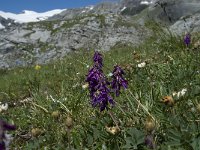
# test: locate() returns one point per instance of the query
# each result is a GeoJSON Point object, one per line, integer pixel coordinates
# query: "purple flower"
{"type": "Point", "coordinates": [187, 39]}
{"type": "Point", "coordinates": [98, 85]}
{"type": "Point", "coordinates": [102, 97]}
{"type": "Point", "coordinates": [93, 78]}
{"type": "Point", "coordinates": [118, 80]}
{"type": "Point", "coordinates": [98, 60]}
{"type": "Point", "coordinates": [4, 126]}
{"type": "Point", "coordinates": [149, 141]}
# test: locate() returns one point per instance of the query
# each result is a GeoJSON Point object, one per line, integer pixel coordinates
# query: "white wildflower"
{"type": "Point", "coordinates": [174, 93]}
{"type": "Point", "coordinates": [141, 65]}
{"type": "Point", "coordinates": [85, 86]}
{"type": "Point", "coordinates": [110, 74]}
{"type": "Point", "coordinates": [170, 58]}
{"type": "Point", "coordinates": [87, 66]}
{"type": "Point", "coordinates": [3, 107]}
{"type": "Point", "coordinates": [180, 93]}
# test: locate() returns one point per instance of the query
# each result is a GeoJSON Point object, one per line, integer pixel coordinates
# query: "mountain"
{"type": "Point", "coordinates": [29, 16]}
{"type": "Point", "coordinates": [37, 38]}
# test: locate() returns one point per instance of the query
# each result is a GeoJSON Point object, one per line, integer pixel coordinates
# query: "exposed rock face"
{"type": "Point", "coordinates": [171, 11]}
{"type": "Point", "coordinates": [96, 27]}
{"type": "Point", "coordinates": [7, 22]}
{"type": "Point", "coordinates": [43, 41]}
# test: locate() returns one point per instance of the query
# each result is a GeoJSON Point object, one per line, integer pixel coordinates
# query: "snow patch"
{"type": "Point", "coordinates": [146, 2]}
{"type": "Point", "coordinates": [123, 8]}
{"type": "Point", "coordinates": [90, 7]}
{"type": "Point", "coordinates": [30, 16]}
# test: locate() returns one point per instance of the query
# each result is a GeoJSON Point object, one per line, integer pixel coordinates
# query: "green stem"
{"type": "Point", "coordinates": [144, 108]}
{"type": "Point", "coordinates": [111, 115]}
{"type": "Point", "coordinates": [68, 136]}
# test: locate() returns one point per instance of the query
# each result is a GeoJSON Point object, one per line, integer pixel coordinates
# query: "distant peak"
{"type": "Point", "coordinates": [30, 16]}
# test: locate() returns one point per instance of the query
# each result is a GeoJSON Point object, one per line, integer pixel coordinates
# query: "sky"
{"type": "Point", "coordinates": [17, 6]}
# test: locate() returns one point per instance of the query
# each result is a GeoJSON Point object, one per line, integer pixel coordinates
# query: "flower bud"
{"type": "Point", "coordinates": [55, 114]}
{"type": "Point", "coordinates": [168, 100]}
{"type": "Point", "coordinates": [36, 132]}
{"type": "Point", "coordinates": [69, 122]}
{"type": "Point", "coordinates": [113, 130]}
{"type": "Point", "coordinates": [150, 124]}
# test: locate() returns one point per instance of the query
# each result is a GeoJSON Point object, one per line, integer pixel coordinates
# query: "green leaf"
{"type": "Point", "coordinates": [196, 143]}
{"type": "Point", "coordinates": [136, 137]}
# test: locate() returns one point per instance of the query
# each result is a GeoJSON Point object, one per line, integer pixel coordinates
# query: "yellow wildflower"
{"type": "Point", "coordinates": [37, 67]}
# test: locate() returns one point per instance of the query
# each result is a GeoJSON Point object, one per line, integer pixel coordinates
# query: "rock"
{"type": "Point", "coordinates": [97, 27]}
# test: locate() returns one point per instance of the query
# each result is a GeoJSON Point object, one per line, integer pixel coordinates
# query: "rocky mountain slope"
{"type": "Point", "coordinates": [95, 27]}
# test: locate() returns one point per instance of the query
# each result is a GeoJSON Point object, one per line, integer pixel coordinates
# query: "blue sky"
{"type": "Point", "coordinates": [16, 6]}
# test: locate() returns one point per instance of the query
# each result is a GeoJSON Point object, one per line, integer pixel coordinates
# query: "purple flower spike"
{"type": "Point", "coordinates": [187, 39]}
{"type": "Point", "coordinates": [4, 126]}
{"type": "Point", "coordinates": [102, 97]}
{"type": "Point", "coordinates": [98, 85]}
{"type": "Point", "coordinates": [149, 142]}
{"type": "Point", "coordinates": [118, 80]}
{"type": "Point", "coordinates": [98, 60]}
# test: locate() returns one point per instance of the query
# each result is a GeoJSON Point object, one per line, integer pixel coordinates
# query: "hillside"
{"type": "Point", "coordinates": [54, 84]}
{"type": "Point", "coordinates": [96, 27]}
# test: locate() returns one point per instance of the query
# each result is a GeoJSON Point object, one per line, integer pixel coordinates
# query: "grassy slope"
{"type": "Point", "coordinates": [170, 67]}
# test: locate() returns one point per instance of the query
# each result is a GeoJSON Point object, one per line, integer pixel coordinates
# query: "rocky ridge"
{"type": "Point", "coordinates": [97, 27]}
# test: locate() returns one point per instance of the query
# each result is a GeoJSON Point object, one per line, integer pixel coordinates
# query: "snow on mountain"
{"type": "Point", "coordinates": [123, 8]}
{"type": "Point", "coordinates": [30, 16]}
{"type": "Point", "coordinates": [146, 2]}
{"type": "Point", "coordinates": [88, 8]}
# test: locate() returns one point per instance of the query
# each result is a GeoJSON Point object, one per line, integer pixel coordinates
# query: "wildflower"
{"type": "Point", "coordinates": [37, 67]}
{"type": "Point", "coordinates": [113, 130]}
{"type": "Point", "coordinates": [187, 39]}
{"type": "Point", "coordinates": [55, 114]}
{"type": "Point", "coordinates": [141, 65]}
{"type": "Point", "coordinates": [35, 132]}
{"type": "Point", "coordinates": [150, 124]}
{"type": "Point", "coordinates": [170, 58]}
{"type": "Point", "coordinates": [180, 93]}
{"type": "Point", "coordinates": [85, 86]}
{"type": "Point", "coordinates": [168, 100]}
{"type": "Point", "coordinates": [4, 138]}
{"type": "Point", "coordinates": [98, 84]}
{"type": "Point", "coordinates": [118, 80]}
{"type": "Point", "coordinates": [98, 60]}
{"type": "Point", "coordinates": [69, 122]}
{"type": "Point", "coordinates": [149, 141]}
{"type": "Point", "coordinates": [101, 98]}
{"type": "Point", "coordinates": [3, 107]}
{"type": "Point", "coordinates": [110, 74]}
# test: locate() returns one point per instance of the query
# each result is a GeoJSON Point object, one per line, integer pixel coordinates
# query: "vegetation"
{"type": "Point", "coordinates": [134, 10]}
{"type": "Point", "coordinates": [160, 109]}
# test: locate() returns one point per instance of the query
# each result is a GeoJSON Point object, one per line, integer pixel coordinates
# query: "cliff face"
{"type": "Point", "coordinates": [96, 27]}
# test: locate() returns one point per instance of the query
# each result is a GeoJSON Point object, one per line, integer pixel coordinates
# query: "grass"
{"type": "Point", "coordinates": [33, 95]}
